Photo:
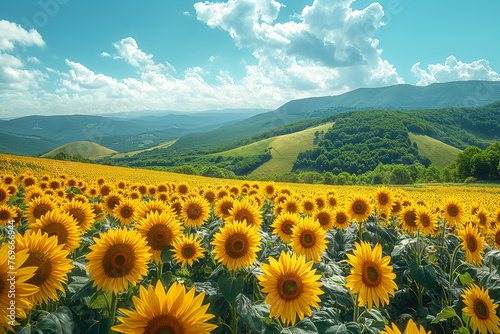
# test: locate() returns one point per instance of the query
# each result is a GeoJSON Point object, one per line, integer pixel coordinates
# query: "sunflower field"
{"type": "Point", "coordinates": [99, 249]}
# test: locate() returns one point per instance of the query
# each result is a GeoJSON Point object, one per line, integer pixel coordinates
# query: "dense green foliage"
{"type": "Point", "coordinates": [480, 164]}
{"type": "Point", "coordinates": [24, 145]}
{"type": "Point", "coordinates": [203, 165]}
{"type": "Point", "coordinates": [360, 140]}
{"type": "Point", "coordinates": [71, 157]}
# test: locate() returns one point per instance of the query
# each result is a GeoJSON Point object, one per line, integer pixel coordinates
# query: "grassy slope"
{"type": "Point", "coordinates": [284, 150]}
{"type": "Point", "coordinates": [162, 145]}
{"type": "Point", "coordinates": [85, 148]}
{"type": "Point", "coordinates": [439, 153]}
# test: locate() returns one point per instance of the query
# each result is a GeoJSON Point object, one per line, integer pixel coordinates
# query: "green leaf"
{"type": "Point", "coordinates": [60, 322]}
{"type": "Point", "coordinates": [337, 329]}
{"type": "Point", "coordinates": [166, 254]}
{"type": "Point", "coordinates": [462, 330]}
{"type": "Point", "coordinates": [82, 287]}
{"type": "Point", "coordinates": [167, 278]}
{"type": "Point", "coordinates": [305, 326]}
{"type": "Point", "coordinates": [446, 313]}
{"type": "Point", "coordinates": [353, 328]}
{"type": "Point", "coordinates": [230, 287]}
{"type": "Point", "coordinates": [30, 330]}
{"type": "Point", "coordinates": [249, 313]}
{"type": "Point", "coordinates": [100, 327]}
{"type": "Point", "coordinates": [100, 299]}
{"type": "Point", "coordinates": [424, 275]}
{"type": "Point", "coordinates": [466, 279]}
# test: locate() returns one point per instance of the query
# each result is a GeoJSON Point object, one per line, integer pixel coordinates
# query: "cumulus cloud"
{"type": "Point", "coordinates": [12, 33]}
{"type": "Point", "coordinates": [454, 70]}
{"type": "Point", "coordinates": [13, 73]}
{"type": "Point", "coordinates": [329, 49]}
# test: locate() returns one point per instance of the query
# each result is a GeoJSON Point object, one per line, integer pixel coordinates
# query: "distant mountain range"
{"type": "Point", "coordinates": [131, 131]}
{"type": "Point", "coordinates": [397, 97]}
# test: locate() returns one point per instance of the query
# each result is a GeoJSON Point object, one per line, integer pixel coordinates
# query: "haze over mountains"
{"type": "Point", "coordinates": [123, 132]}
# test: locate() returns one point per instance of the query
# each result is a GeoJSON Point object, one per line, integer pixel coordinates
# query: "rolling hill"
{"type": "Point", "coordinates": [439, 153]}
{"type": "Point", "coordinates": [284, 150]}
{"type": "Point", "coordinates": [24, 145]}
{"type": "Point", "coordinates": [124, 134]}
{"type": "Point", "coordinates": [359, 141]}
{"type": "Point", "coordinates": [397, 97]}
{"type": "Point", "coordinates": [84, 148]}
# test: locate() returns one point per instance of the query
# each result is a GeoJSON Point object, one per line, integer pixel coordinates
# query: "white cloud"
{"type": "Point", "coordinates": [33, 60]}
{"type": "Point", "coordinates": [454, 70]}
{"type": "Point", "coordinates": [12, 33]}
{"type": "Point", "coordinates": [329, 49]}
{"type": "Point", "coordinates": [13, 74]}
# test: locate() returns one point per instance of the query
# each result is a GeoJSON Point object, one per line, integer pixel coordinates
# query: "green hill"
{"type": "Point", "coordinates": [397, 97]}
{"type": "Point", "coordinates": [284, 150]}
{"type": "Point", "coordinates": [439, 153]}
{"type": "Point", "coordinates": [24, 145]}
{"type": "Point", "coordinates": [84, 148]}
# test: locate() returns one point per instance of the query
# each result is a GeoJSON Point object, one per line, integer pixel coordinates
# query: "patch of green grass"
{"type": "Point", "coordinates": [439, 153]}
{"type": "Point", "coordinates": [286, 148]}
{"type": "Point", "coordinates": [249, 150]}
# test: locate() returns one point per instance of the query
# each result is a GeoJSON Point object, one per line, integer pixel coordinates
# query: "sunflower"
{"type": "Point", "coordinates": [371, 276]}
{"type": "Point", "coordinates": [409, 219]}
{"type": "Point", "coordinates": [32, 193]}
{"type": "Point", "coordinates": [246, 211]}
{"type": "Point", "coordinates": [160, 230]}
{"type": "Point", "coordinates": [8, 179]}
{"type": "Point", "coordinates": [453, 212]}
{"type": "Point", "coordinates": [384, 199]}
{"type": "Point", "coordinates": [62, 225]}
{"type": "Point", "coordinates": [472, 244]}
{"type": "Point", "coordinates": [411, 328]}
{"type": "Point", "coordinates": [195, 211]}
{"type": "Point", "coordinates": [426, 220]}
{"type": "Point", "coordinates": [325, 218]}
{"type": "Point", "coordinates": [359, 208]}
{"type": "Point", "coordinates": [481, 310]}
{"type": "Point", "coordinates": [392, 329]}
{"type": "Point", "coordinates": [291, 286]}
{"type": "Point", "coordinates": [12, 274]}
{"type": "Point", "coordinates": [29, 181]}
{"type": "Point", "coordinates": [210, 196]}
{"type": "Point", "coordinates": [308, 239]}
{"type": "Point", "coordinates": [4, 195]}
{"type": "Point", "coordinates": [182, 188]}
{"type": "Point", "coordinates": [396, 207]}
{"type": "Point", "coordinates": [482, 219]}
{"type": "Point", "coordinates": [223, 206]}
{"type": "Point", "coordinates": [150, 206]}
{"type": "Point", "coordinates": [51, 262]}
{"type": "Point", "coordinates": [270, 190]}
{"type": "Point", "coordinates": [236, 245]}
{"type": "Point", "coordinates": [187, 249]}
{"type": "Point", "coordinates": [331, 201]}
{"type": "Point", "coordinates": [175, 311]}
{"type": "Point", "coordinates": [118, 257]}
{"type": "Point", "coordinates": [126, 211]}
{"type": "Point", "coordinates": [496, 237]}
{"type": "Point", "coordinates": [283, 225]}
{"type": "Point", "coordinates": [341, 218]}
{"type": "Point", "coordinates": [320, 202]}
{"type": "Point", "coordinates": [308, 205]}
{"type": "Point", "coordinates": [39, 207]}
{"type": "Point", "coordinates": [111, 201]}
{"type": "Point", "coordinates": [7, 214]}
{"type": "Point", "coordinates": [291, 205]}
{"type": "Point", "coordinates": [83, 213]}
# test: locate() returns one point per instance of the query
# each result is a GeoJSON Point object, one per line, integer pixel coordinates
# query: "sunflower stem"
{"type": "Point", "coordinates": [452, 269]}
{"type": "Point", "coordinates": [234, 320]}
{"type": "Point", "coordinates": [113, 308]}
{"type": "Point", "coordinates": [355, 317]}
{"type": "Point", "coordinates": [159, 271]}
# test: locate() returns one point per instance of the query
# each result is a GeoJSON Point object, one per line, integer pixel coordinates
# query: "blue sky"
{"type": "Point", "coordinates": [74, 56]}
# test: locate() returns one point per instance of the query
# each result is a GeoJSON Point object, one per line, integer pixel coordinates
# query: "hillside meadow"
{"type": "Point", "coordinates": [101, 249]}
